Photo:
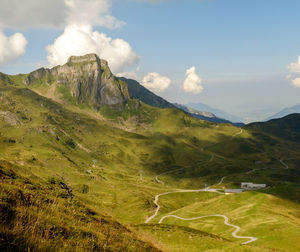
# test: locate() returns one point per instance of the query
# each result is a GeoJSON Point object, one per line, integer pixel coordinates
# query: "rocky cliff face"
{"type": "Point", "coordinates": [85, 80]}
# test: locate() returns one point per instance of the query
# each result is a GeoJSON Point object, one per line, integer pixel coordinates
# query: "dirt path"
{"type": "Point", "coordinates": [206, 189]}
{"type": "Point", "coordinates": [284, 164]}
{"type": "Point", "coordinates": [226, 222]}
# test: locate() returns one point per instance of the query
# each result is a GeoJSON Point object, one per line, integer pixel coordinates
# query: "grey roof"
{"type": "Point", "coordinates": [233, 190]}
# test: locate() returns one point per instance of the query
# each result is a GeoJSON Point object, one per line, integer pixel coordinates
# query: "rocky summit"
{"type": "Point", "coordinates": [83, 80]}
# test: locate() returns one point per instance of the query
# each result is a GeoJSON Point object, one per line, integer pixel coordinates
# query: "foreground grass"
{"type": "Point", "coordinates": [39, 216]}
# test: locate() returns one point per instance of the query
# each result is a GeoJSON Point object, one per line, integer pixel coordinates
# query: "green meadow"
{"type": "Point", "coordinates": [72, 177]}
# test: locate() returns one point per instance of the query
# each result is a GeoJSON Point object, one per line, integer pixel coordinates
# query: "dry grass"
{"type": "Point", "coordinates": [50, 218]}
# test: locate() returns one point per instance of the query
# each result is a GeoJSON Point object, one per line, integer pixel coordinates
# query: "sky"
{"type": "Point", "coordinates": [237, 55]}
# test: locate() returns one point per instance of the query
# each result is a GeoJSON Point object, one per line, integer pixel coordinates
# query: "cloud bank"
{"type": "Point", "coordinates": [11, 47]}
{"type": "Point", "coordinates": [192, 83]}
{"type": "Point", "coordinates": [156, 82]}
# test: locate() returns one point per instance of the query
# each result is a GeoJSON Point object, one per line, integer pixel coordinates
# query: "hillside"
{"type": "Point", "coordinates": [103, 164]}
{"type": "Point", "coordinates": [286, 127]}
{"type": "Point", "coordinates": [137, 91]}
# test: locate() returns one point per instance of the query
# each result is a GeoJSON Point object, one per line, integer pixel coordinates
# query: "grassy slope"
{"type": "Point", "coordinates": [112, 171]}
{"type": "Point", "coordinates": [41, 215]}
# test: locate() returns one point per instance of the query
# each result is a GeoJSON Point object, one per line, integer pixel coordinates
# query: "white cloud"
{"type": "Point", "coordinates": [192, 83]}
{"type": "Point", "coordinates": [91, 12]}
{"type": "Point", "coordinates": [296, 82]}
{"type": "Point", "coordinates": [56, 13]}
{"type": "Point", "coordinates": [156, 82]}
{"type": "Point", "coordinates": [11, 47]}
{"type": "Point", "coordinates": [294, 67]}
{"type": "Point", "coordinates": [81, 39]}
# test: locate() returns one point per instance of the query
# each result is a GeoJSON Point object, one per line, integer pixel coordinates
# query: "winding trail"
{"type": "Point", "coordinates": [226, 222]}
{"type": "Point", "coordinates": [206, 189]}
{"type": "Point", "coordinates": [221, 181]}
{"type": "Point", "coordinates": [284, 164]}
{"type": "Point", "coordinates": [236, 134]}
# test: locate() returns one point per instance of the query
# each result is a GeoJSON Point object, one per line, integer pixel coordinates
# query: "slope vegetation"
{"type": "Point", "coordinates": [81, 174]}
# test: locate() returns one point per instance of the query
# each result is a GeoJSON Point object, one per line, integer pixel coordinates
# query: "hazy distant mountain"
{"type": "Point", "coordinates": [203, 115]}
{"type": "Point", "coordinates": [217, 112]}
{"type": "Point", "coordinates": [285, 112]}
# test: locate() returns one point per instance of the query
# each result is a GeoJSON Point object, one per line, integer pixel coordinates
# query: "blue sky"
{"type": "Point", "coordinates": [240, 49]}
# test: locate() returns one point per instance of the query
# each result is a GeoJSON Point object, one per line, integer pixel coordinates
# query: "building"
{"type": "Point", "coordinates": [251, 186]}
{"type": "Point", "coordinates": [230, 191]}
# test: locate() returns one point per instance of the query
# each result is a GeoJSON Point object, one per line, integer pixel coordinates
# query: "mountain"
{"type": "Point", "coordinates": [80, 172]}
{"type": "Point", "coordinates": [217, 112]}
{"type": "Point", "coordinates": [82, 80]}
{"type": "Point", "coordinates": [285, 112]}
{"type": "Point", "coordinates": [204, 115]}
{"type": "Point", "coordinates": [137, 91]}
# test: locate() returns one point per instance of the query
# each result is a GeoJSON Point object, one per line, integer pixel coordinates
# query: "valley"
{"type": "Point", "coordinates": [80, 156]}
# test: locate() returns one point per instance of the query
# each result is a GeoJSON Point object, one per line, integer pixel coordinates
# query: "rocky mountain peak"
{"type": "Point", "coordinates": [84, 80]}
{"type": "Point", "coordinates": [88, 58]}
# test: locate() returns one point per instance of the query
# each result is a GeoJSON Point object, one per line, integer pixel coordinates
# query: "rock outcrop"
{"type": "Point", "coordinates": [85, 80]}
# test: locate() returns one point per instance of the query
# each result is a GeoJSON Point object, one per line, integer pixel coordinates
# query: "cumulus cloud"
{"type": "Point", "coordinates": [156, 82]}
{"type": "Point", "coordinates": [192, 83]}
{"type": "Point", "coordinates": [11, 47]}
{"type": "Point", "coordinates": [56, 13]}
{"type": "Point", "coordinates": [81, 39]}
{"type": "Point", "coordinates": [92, 12]}
{"type": "Point", "coordinates": [294, 67]}
{"type": "Point", "coordinates": [296, 82]}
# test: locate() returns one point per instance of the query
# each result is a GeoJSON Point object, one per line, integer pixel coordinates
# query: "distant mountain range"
{"type": "Point", "coordinates": [217, 112]}
{"type": "Point", "coordinates": [137, 91]}
{"type": "Point", "coordinates": [285, 112]}
{"type": "Point", "coordinates": [207, 116]}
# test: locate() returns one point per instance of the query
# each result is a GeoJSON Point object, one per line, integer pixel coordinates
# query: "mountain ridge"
{"type": "Point", "coordinates": [138, 91]}
{"type": "Point", "coordinates": [207, 116]}
{"type": "Point", "coordinates": [217, 112]}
